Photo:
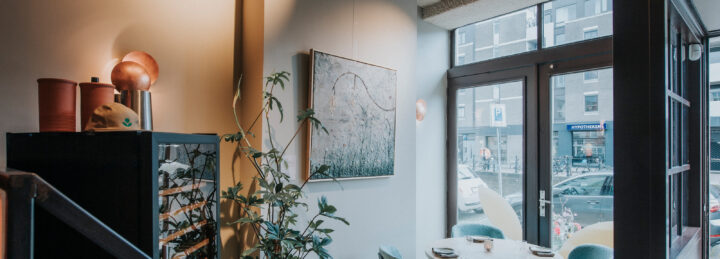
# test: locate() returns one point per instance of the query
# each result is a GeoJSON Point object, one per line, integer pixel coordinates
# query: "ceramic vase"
{"type": "Point", "coordinates": [56, 101]}
{"type": "Point", "coordinates": [93, 95]}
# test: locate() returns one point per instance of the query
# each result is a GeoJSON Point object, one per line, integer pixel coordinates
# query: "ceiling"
{"type": "Point", "coordinates": [708, 10]}
{"type": "Point", "coordinates": [423, 3]}
{"type": "Point", "coordinates": [450, 14]}
{"type": "Point", "coordinates": [476, 10]}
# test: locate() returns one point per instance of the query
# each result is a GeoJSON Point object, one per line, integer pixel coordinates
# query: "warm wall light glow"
{"type": "Point", "coordinates": [420, 109]}
{"type": "Point", "coordinates": [107, 70]}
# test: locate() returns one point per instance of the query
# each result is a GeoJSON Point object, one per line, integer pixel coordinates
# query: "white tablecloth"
{"type": "Point", "coordinates": [502, 249]}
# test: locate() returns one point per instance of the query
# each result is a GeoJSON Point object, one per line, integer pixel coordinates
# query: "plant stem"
{"type": "Point", "coordinates": [293, 137]}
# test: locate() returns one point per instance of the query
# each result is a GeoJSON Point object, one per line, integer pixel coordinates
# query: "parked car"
{"type": "Point", "coordinates": [468, 185]}
{"type": "Point", "coordinates": [588, 196]}
{"type": "Point", "coordinates": [714, 204]}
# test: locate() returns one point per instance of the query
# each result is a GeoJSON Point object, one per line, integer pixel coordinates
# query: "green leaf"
{"type": "Point", "coordinates": [279, 105]}
{"type": "Point", "coordinates": [249, 251]}
{"type": "Point", "coordinates": [324, 230]}
{"type": "Point", "coordinates": [309, 112]}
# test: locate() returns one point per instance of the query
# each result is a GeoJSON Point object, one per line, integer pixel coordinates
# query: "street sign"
{"type": "Point", "coordinates": [498, 117]}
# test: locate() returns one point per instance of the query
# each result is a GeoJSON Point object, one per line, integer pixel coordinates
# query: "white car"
{"type": "Point", "coordinates": [468, 184]}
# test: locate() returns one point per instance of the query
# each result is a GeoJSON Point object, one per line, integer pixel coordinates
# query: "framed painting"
{"type": "Point", "coordinates": [356, 103]}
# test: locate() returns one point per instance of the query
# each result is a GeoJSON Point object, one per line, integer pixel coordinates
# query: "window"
{"type": "Point", "coordinates": [590, 33]}
{"type": "Point", "coordinates": [715, 95]}
{"type": "Point", "coordinates": [558, 98]}
{"type": "Point", "coordinates": [560, 35]}
{"type": "Point", "coordinates": [590, 76]}
{"type": "Point", "coordinates": [505, 35]}
{"type": "Point", "coordinates": [563, 14]}
{"type": "Point", "coordinates": [461, 59]}
{"type": "Point", "coordinates": [571, 22]}
{"type": "Point", "coordinates": [591, 103]}
{"type": "Point", "coordinates": [487, 150]}
{"type": "Point", "coordinates": [588, 144]}
{"type": "Point", "coordinates": [593, 7]}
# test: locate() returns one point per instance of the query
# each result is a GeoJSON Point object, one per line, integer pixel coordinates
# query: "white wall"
{"type": "Point", "coordinates": [433, 60]}
{"type": "Point", "coordinates": [381, 32]}
{"type": "Point", "coordinates": [75, 39]}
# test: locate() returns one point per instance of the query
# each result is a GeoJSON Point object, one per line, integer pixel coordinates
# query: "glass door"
{"type": "Point", "coordinates": [490, 149]}
{"type": "Point", "coordinates": [491, 128]}
{"type": "Point", "coordinates": [582, 147]}
{"type": "Point", "coordinates": [576, 187]}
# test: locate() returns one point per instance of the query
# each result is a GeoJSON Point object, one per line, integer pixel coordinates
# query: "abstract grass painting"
{"type": "Point", "coordinates": [356, 103]}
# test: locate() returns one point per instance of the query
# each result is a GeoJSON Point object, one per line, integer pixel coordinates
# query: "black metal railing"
{"type": "Point", "coordinates": [25, 191]}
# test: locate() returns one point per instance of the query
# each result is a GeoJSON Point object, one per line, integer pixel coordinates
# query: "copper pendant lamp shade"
{"type": "Point", "coordinates": [147, 61]}
{"type": "Point", "coordinates": [128, 75]}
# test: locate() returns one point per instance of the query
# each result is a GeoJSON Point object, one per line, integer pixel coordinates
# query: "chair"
{"type": "Point", "coordinates": [461, 230]}
{"type": "Point", "coordinates": [591, 251]}
{"type": "Point", "coordinates": [600, 233]}
{"type": "Point", "coordinates": [500, 213]}
{"type": "Point", "coordinates": [389, 252]}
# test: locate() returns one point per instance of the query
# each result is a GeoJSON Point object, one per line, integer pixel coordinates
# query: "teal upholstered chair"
{"type": "Point", "coordinates": [461, 230]}
{"type": "Point", "coordinates": [389, 252]}
{"type": "Point", "coordinates": [591, 251]}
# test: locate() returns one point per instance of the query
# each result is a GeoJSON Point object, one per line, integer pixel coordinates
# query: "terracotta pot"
{"type": "Point", "coordinates": [93, 95]}
{"type": "Point", "coordinates": [56, 99]}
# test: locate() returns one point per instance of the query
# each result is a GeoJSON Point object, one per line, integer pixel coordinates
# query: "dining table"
{"type": "Point", "coordinates": [502, 249]}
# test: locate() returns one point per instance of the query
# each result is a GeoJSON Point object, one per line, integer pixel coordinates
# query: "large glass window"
{"type": "Point", "coordinates": [490, 150]}
{"type": "Point", "coordinates": [714, 179]}
{"type": "Point", "coordinates": [582, 160]}
{"type": "Point", "coordinates": [567, 21]}
{"type": "Point", "coordinates": [501, 36]}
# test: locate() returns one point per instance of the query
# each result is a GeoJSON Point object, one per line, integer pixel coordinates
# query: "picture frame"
{"type": "Point", "coordinates": [356, 102]}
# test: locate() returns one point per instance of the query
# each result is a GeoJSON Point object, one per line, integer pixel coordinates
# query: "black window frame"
{"type": "Point", "coordinates": [584, 54]}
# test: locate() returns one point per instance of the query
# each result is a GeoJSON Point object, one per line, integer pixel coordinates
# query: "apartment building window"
{"type": "Point", "coordinates": [501, 36]}
{"type": "Point", "coordinates": [593, 7]}
{"type": "Point", "coordinates": [563, 14]}
{"type": "Point", "coordinates": [568, 22]}
{"type": "Point", "coordinates": [558, 99]}
{"type": "Point", "coordinates": [589, 33]}
{"type": "Point", "coordinates": [591, 103]}
{"type": "Point", "coordinates": [560, 35]}
{"type": "Point", "coordinates": [590, 76]}
{"type": "Point", "coordinates": [715, 95]}
{"type": "Point", "coordinates": [461, 112]}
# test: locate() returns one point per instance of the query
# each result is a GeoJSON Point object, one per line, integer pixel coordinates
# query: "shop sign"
{"type": "Point", "coordinates": [579, 127]}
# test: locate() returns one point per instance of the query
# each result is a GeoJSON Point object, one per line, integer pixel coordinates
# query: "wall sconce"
{"type": "Point", "coordinates": [695, 51]}
{"type": "Point", "coordinates": [420, 109]}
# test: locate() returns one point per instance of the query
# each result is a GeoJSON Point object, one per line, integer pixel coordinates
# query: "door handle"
{"type": "Point", "coordinates": [543, 202]}
{"type": "Point", "coordinates": [593, 202]}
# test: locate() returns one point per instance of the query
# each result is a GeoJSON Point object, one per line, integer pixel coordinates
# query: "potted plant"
{"type": "Point", "coordinates": [279, 199]}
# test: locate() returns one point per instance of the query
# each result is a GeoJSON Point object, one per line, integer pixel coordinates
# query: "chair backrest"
{"type": "Point", "coordinates": [591, 251]}
{"type": "Point", "coordinates": [389, 252]}
{"type": "Point", "coordinates": [600, 233]}
{"type": "Point", "coordinates": [500, 213]}
{"type": "Point", "coordinates": [461, 230]}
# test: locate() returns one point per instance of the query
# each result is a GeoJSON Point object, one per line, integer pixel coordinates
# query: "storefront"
{"type": "Point", "coordinates": [584, 144]}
